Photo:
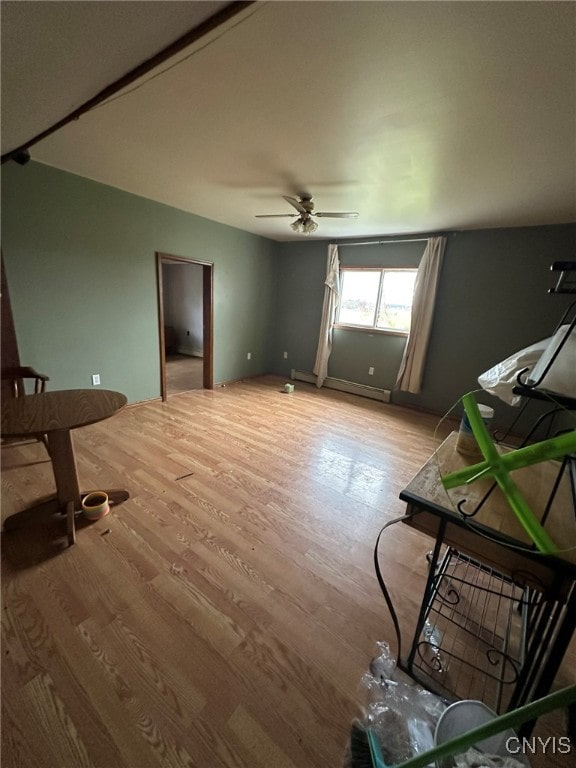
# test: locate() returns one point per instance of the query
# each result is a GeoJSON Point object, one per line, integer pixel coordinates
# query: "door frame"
{"type": "Point", "coordinates": [207, 317]}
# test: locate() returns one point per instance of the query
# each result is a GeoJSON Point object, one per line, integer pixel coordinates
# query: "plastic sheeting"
{"type": "Point", "coordinates": [560, 378]}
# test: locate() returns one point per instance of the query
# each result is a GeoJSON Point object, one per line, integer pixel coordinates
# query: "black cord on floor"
{"type": "Point", "coordinates": [384, 589]}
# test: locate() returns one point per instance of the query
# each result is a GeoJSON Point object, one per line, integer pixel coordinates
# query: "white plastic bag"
{"type": "Point", "coordinates": [502, 377]}
{"type": "Point", "coordinates": [402, 715]}
{"type": "Point", "coordinates": [560, 379]}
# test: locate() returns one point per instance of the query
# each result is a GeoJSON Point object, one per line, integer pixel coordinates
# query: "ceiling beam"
{"type": "Point", "coordinates": [21, 154]}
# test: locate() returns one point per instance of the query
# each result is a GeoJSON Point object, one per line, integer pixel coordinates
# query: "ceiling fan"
{"type": "Point", "coordinates": [304, 223]}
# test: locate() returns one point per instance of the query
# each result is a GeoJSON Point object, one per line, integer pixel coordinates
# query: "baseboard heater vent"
{"type": "Point", "coordinates": [344, 386]}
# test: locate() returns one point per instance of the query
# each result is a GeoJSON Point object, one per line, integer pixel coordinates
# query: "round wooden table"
{"type": "Point", "coordinates": [55, 414]}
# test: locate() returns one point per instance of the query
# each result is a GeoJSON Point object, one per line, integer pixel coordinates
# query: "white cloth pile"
{"type": "Point", "coordinates": [560, 379]}
{"type": "Point", "coordinates": [475, 759]}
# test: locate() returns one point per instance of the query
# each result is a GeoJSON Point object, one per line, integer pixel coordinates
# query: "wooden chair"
{"type": "Point", "coordinates": [16, 377]}
{"type": "Point", "coordinates": [14, 385]}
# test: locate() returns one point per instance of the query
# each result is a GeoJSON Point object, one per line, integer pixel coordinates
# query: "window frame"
{"type": "Point", "coordinates": [373, 328]}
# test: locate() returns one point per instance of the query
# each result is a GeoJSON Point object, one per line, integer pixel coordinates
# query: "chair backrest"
{"type": "Point", "coordinates": [13, 380]}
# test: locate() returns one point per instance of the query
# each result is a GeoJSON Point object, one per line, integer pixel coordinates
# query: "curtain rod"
{"type": "Point", "coordinates": [399, 240]}
{"type": "Point", "coordinates": [386, 242]}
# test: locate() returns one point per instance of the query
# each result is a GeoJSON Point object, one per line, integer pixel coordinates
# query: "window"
{"type": "Point", "coordinates": [379, 299]}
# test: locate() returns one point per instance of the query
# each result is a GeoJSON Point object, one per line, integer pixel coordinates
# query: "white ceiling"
{"type": "Point", "coordinates": [421, 116]}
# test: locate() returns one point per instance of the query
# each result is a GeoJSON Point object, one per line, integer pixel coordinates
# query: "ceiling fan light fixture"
{"type": "Point", "coordinates": [304, 226]}
{"type": "Point", "coordinates": [309, 226]}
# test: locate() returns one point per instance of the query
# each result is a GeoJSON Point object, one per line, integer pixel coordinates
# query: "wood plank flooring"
{"type": "Point", "coordinates": [224, 615]}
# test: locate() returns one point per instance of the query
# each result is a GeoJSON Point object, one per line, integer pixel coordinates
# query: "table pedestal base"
{"type": "Point", "coordinates": [51, 505]}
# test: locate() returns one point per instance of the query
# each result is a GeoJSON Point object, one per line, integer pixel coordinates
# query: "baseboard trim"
{"type": "Point", "coordinates": [225, 382]}
{"type": "Point", "coordinates": [344, 386]}
{"type": "Point", "coordinates": [188, 352]}
{"type": "Point", "coordinates": [144, 402]}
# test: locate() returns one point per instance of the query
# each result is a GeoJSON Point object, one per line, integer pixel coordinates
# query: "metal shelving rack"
{"type": "Point", "coordinates": [476, 626]}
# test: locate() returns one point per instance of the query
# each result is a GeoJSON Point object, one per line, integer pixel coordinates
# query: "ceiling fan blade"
{"type": "Point", "coordinates": [275, 215]}
{"type": "Point", "coordinates": [343, 215]}
{"type": "Point", "coordinates": [296, 203]}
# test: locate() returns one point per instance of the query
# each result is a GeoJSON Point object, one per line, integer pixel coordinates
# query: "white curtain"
{"type": "Point", "coordinates": [412, 365]}
{"type": "Point", "coordinates": [329, 309]}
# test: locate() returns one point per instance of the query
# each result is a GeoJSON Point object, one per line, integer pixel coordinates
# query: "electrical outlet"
{"type": "Point", "coordinates": [95, 379]}
{"type": "Point", "coordinates": [187, 333]}
{"type": "Point", "coordinates": [285, 355]}
{"type": "Point", "coordinates": [249, 356]}
{"type": "Point", "coordinates": [371, 371]}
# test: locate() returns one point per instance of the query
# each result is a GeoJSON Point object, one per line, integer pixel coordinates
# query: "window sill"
{"type": "Point", "coordinates": [363, 329]}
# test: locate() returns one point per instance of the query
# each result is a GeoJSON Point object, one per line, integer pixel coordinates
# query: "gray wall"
{"type": "Point", "coordinates": [80, 262]}
{"type": "Point", "coordinates": [302, 269]}
{"type": "Point", "coordinates": [492, 301]}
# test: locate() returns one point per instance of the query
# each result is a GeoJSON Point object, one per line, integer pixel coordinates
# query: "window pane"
{"type": "Point", "coordinates": [359, 293]}
{"type": "Point", "coordinates": [396, 301]}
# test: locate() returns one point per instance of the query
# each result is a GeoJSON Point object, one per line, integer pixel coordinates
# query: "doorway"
{"type": "Point", "coordinates": [185, 318]}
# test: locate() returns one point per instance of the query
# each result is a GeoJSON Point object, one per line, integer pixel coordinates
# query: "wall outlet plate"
{"type": "Point", "coordinates": [95, 379]}
{"type": "Point", "coordinates": [371, 371]}
{"type": "Point", "coordinates": [249, 356]}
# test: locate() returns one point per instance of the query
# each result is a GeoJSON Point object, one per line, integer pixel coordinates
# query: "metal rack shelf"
{"type": "Point", "coordinates": [475, 629]}
{"type": "Point", "coordinates": [494, 623]}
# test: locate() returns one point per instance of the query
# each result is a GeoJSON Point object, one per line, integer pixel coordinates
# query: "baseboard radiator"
{"type": "Point", "coordinates": [344, 386]}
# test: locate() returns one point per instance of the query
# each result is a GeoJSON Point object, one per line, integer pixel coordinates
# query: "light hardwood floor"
{"type": "Point", "coordinates": [224, 615]}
